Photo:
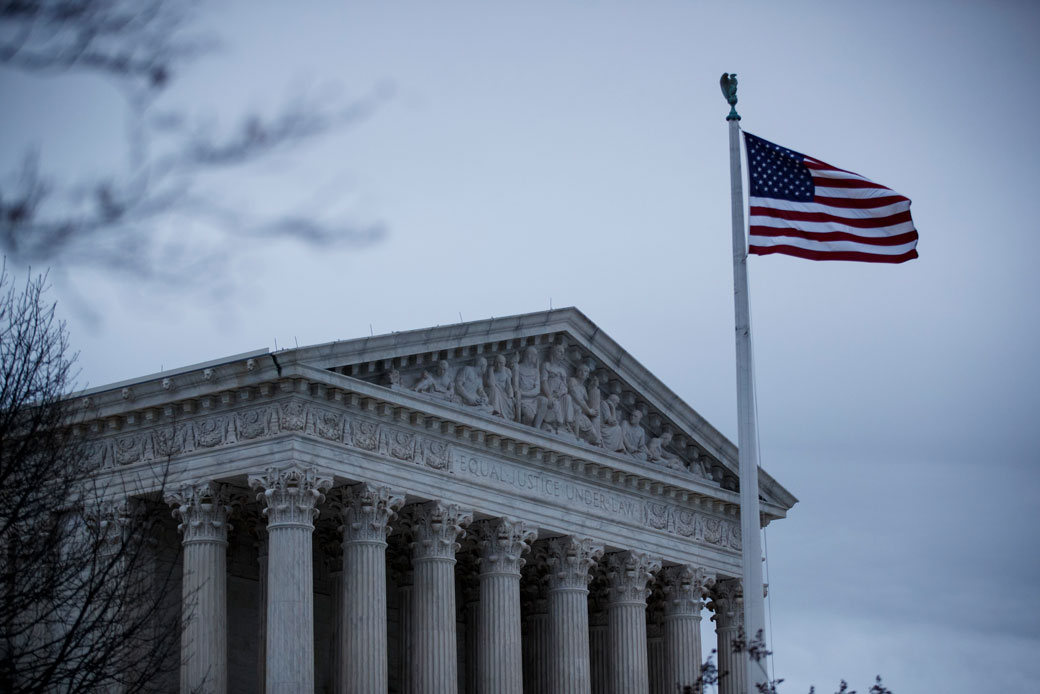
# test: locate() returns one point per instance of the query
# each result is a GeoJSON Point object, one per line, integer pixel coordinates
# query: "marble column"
{"type": "Point", "coordinates": [569, 560]}
{"type": "Point", "coordinates": [203, 511]}
{"type": "Point", "coordinates": [290, 496]}
{"type": "Point", "coordinates": [727, 600]}
{"type": "Point", "coordinates": [367, 511]}
{"type": "Point", "coordinates": [259, 530]}
{"type": "Point", "coordinates": [330, 540]}
{"type": "Point", "coordinates": [655, 650]}
{"type": "Point", "coordinates": [599, 649]}
{"type": "Point", "coordinates": [502, 541]}
{"type": "Point", "coordinates": [628, 574]}
{"type": "Point", "coordinates": [599, 644]}
{"type": "Point", "coordinates": [467, 619]}
{"type": "Point", "coordinates": [436, 527]}
{"type": "Point", "coordinates": [536, 624]}
{"type": "Point", "coordinates": [113, 524]}
{"type": "Point", "coordinates": [401, 566]}
{"type": "Point", "coordinates": [467, 586]}
{"type": "Point", "coordinates": [683, 588]}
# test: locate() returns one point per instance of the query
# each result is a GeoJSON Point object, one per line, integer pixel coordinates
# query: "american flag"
{"type": "Point", "coordinates": [804, 207]}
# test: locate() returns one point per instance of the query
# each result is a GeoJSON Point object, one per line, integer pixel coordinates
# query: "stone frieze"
{"type": "Point", "coordinates": [166, 442]}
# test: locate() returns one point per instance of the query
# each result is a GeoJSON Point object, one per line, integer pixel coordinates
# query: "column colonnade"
{"type": "Point", "coordinates": [532, 632]}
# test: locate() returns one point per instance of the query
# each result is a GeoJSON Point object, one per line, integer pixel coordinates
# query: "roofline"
{"type": "Point", "coordinates": [167, 373]}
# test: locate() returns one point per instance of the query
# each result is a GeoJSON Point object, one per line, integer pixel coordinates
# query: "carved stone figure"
{"type": "Point", "coordinates": [498, 383]}
{"type": "Point", "coordinates": [393, 377]}
{"type": "Point", "coordinates": [469, 385]}
{"type": "Point", "coordinates": [529, 390]}
{"type": "Point", "coordinates": [514, 367]}
{"type": "Point", "coordinates": [439, 383]}
{"type": "Point", "coordinates": [586, 405]}
{"type": "Point", "coordinates": [559, 409]}
{"type": "Point", "coordinates": [610, 424]}
{"type": "Point", "coordinates": [633, 435]}
{"type": "Point", "coordinates": [656, 453]}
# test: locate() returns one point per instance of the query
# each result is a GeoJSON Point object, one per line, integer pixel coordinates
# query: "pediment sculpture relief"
{"type": "Point", "coordinates": [548, 394]}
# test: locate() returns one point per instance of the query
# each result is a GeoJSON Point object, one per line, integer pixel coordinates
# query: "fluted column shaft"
{"type": "Point", "coordinates": [684, 589]}
{"type": "Point", "coordinates": [628, 574]}
{"type": "Point", "coordinates": [336, 647]}
{"type": "Point", "coordinates": [261, 560]}
{"type": "Point", "coordinates": [290, 496]}
{"type": "Point", "coordinates": [655, 653]}
{"type": "Point", "coordinates": [435, 529]}
{"type": "Point", "coordinates": [469, 643]}
{"type": "Point", "coordinates": [502, 542]}
{"type": "Point", "coordinates": [728, 603]}
{"type": "Point", "coordinates": [682, 650]}
{"type": "Point", "coordinates": [113, 522]}
{"type": "Point", "coordinates": [203, 513]}
{"type": "Point", "coordinates": [366, 512]}
{"type": "Point", "coordinates": [569, 561]}
{"type": "Point", "coordinates": [599, 647]}
{"type": "Point", "coordinates": [406, 630]}
{"type": "Point", "coordinates": [536, 650]}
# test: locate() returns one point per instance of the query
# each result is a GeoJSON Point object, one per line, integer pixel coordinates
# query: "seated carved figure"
{"type": "Point", "coordinates": [656, 453]}
{"type": "Point", "coordinates": [498, 383]}
{"type": "Point", "coordinates": [438, 384]}
{"type": "Point", "coordinates": [633, 435]}
{"type": "Point", "coordinates": [610, 424]}
{"type": "Point", "coordinates": [558, 407]}
{"type": "Point", "coordinates": [469, 385]}
{"type": "Point", "coordinates": [586, 405]}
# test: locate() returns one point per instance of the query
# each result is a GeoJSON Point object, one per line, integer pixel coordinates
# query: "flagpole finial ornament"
{"type": "Point", "coordinates": [728, 82]}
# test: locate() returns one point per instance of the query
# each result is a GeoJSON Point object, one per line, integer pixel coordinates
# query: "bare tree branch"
{"type": "Point", "coordinates": [83, 590]}
{"type": "Point", "coordinates": [125, 220]}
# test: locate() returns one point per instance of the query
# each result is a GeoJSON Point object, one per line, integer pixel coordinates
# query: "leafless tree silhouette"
{"type": "Point", "coordinates": [85, 593]}
{"type": "Point", "coordinates": [116, 221]}
{"type": "Point", "coordinates": [756, 649]}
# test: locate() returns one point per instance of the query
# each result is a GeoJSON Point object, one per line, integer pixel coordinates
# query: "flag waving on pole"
{"type": "Point", "coordinates": [804, 207]}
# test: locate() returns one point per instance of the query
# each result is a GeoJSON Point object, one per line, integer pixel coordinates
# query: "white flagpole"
{"type": "Point", "coordinates": [747, 427]}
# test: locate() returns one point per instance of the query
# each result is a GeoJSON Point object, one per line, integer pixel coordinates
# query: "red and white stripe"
{"type": "Point", "coordinates": [851, 218]}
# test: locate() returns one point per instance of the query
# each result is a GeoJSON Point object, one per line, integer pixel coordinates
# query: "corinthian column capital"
{"type": "Point", "coordinates": [569, 560]}
{"type": "Point", "coordinates": [502, 541]}
{"type": "Point", "coordinates": [366, 511]}
{"type": "Point", "coordinates": [628, 574]}
{"type": "Point", "coordinates": [436, 528]}
{"type": "Point", "coordinates": [290, 495]}
{"type": "Point", "coordinates": [727, 600]}
{"type": "Point", "coordinates": [684, 589]}
{"type": "Point", "coordinates": [110, 521]}
{"type": "Point", "coordinates": [202, 509]}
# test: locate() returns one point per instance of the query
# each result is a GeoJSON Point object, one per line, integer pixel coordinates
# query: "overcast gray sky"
{"type": "Point", "coordinates": [575, 153]}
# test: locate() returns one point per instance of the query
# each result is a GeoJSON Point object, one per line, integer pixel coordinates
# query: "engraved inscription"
{"type": "Point", "coordinates": [538, 485]}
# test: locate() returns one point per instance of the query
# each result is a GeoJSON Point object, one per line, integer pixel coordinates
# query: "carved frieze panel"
{"type": "Point", "coordinates": [399, 442]}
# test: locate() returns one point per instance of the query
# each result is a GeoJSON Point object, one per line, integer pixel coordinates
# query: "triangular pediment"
{"type": "Point", "coordinates": [555, 373]}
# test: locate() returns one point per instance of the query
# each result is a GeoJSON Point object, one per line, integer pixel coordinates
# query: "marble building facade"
{"type": "Point", "coordinates": [495, 507]}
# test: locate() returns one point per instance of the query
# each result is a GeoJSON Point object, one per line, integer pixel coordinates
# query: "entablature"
{"type": "Point", "coordinates": [314, 402]}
